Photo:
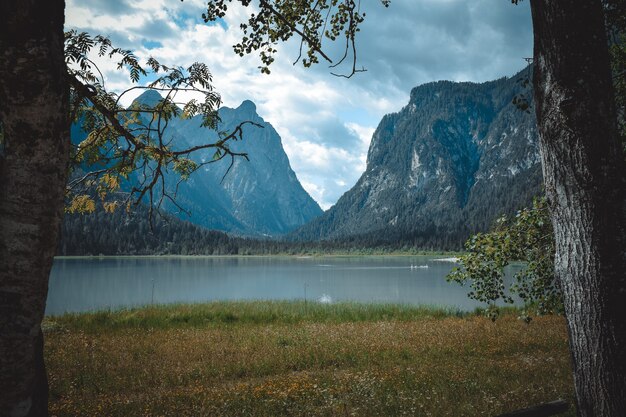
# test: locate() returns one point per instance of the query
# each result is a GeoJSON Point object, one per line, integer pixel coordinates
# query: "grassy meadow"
{"type": "Point", "coordinates": [297, 359]}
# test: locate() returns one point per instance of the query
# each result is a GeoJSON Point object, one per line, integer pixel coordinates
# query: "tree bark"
{"type": "Point", "coordinates": [584, 173]}
{"type": "Point", "coordinates": [34, 156]}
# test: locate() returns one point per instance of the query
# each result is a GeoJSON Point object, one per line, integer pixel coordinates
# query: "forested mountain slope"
{"type": "Point", "coordinates": [453, 159]}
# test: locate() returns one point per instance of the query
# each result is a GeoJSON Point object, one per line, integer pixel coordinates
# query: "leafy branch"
{"type": "Point", "coordinates": [124, 142]}
{"type": "Point", "coordinates": [527, 238]}
{"type": "Point", "coordinates": [312, 21]}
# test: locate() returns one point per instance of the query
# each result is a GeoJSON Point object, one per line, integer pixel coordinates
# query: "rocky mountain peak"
{"type": "Point", "coordinates": [149, 97]}
{"type": "Point", "coordinates": [247, 107]}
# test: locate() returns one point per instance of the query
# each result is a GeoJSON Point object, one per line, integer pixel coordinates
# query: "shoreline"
{"type": "Point", "coordinates": [444, 255]}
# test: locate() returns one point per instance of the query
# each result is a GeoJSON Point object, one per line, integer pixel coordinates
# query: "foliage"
{"type": "Point", "coordinates": [125, 144]}
{"type": "Point", "coordinates": [528, 238]}
{"type": "Point", "coordinates": [313, 21]}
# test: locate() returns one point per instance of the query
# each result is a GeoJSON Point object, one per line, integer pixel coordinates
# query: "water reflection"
{"type": "Point", "coordinates": [110, 283]}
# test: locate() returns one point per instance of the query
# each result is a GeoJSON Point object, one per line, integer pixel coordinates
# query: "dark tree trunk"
{"type": "Point", "coordinates": [584, 173]}
{"type": "Point", "coordinates": [33, 170]}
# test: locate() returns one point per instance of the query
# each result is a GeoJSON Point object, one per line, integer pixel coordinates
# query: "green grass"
{"type": "Point", "coordinates": [244, 312]}
{"type": "Point", "coordinates": [292, 358]}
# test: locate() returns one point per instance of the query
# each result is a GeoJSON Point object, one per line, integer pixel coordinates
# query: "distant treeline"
{"type": "Point", "coordinates": [122, 233]}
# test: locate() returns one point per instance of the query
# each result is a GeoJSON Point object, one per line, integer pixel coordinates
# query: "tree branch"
{"type": "Point", "coordinates": [311, 43]}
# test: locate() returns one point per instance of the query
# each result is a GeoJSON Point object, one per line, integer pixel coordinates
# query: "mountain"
{"type": "Point", "coordinates": [456, 157]}
{"type": "Point", "coordinates": [259, 197]}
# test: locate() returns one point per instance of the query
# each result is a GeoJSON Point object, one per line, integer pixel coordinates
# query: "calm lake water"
{"type": "Point", "coordinates": [88, 284]}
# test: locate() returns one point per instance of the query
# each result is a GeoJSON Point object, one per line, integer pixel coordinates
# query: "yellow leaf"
{"type": "Point", "coordinates": [110, 207]}
{"type": "Point", "coordinates": [81, 204]}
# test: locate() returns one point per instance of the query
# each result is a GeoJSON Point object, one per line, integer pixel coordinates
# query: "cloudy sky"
{"type": "Point", "coordinates": [325, 122]}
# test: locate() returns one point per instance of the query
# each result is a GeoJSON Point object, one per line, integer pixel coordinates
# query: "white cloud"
{"type": "Point", "coordinates": [326, 122]}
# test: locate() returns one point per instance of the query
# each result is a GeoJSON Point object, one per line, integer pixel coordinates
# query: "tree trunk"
{"type": "Point", "coordinates": [584, 172]}
{"type": "Point", "coordinates": [33, 172]}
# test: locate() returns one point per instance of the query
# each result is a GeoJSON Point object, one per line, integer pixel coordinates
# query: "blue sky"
{"type": "Point", "coordinates": [325, 122]}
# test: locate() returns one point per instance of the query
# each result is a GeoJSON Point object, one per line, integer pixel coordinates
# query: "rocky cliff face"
{"type": "Point", "coordinates": [259, 197]}
{"type": "Point", "coordinates": [453, 159]}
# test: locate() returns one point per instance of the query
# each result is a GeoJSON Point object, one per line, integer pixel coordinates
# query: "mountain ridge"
{"type": "Point", "coordinates": [454, 158]}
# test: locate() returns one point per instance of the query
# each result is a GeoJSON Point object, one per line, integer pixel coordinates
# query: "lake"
{"type": "Point", "coordinates": [88, 284]}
